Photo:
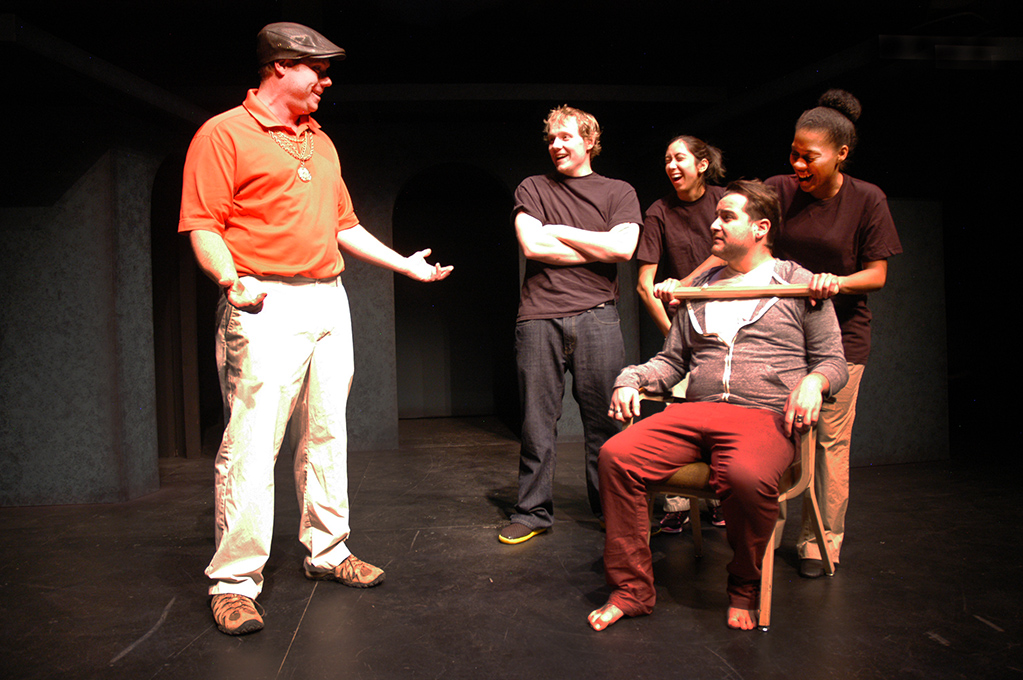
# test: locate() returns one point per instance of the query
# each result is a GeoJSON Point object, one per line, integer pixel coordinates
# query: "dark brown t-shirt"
{"type": "Point", "coordinates": [837, 236]}
{"type": "Point", "coordinates": [594, 203]}
{"type": "Point", "coordinates": [676, 233]}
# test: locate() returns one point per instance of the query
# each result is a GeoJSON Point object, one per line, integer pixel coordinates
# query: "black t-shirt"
{"type": "Point", "coordinates": [676, 233]}
{"type": "Point", "coordinates": [594, 203]}
{"type": "Point", "coordinates": [836, 236]}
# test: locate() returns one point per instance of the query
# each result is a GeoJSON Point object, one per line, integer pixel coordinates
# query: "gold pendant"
{"type": "Point", "coordinates": [304, 174]}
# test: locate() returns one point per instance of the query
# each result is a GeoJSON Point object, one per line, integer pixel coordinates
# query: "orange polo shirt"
{"type": "Point", "coordinates": [240, 184]}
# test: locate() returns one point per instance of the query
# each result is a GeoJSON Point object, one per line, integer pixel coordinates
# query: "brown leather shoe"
{"type": "Point", "coordinates": [236, 614]}
{"type": "Point", "coordinates": [352, 572]}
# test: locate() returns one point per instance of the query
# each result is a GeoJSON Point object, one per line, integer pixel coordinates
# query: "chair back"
{"type": "Point", "coordinates": [795, 480]}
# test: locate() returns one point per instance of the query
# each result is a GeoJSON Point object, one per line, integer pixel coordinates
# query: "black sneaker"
{"type": "Point", "coordinates": [674, 522]}
{"type": "Point", "coordinates": [516, 533]}
{"type": "Point", "coordinates": [811, 568]}
{"type": "Point", "coordinates": [717, 518]}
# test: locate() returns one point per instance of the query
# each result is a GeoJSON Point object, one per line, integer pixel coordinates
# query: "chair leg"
{"type": "Point", "coordinates": [694, 522]}
{"type": "Point", "coordinates": [818, 530]}
{"type": "Point", "coordinates": [782, 514]}
{"type": "Point", "coordinates": [767, 582]}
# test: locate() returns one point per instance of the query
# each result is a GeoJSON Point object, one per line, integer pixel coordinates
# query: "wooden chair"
{"type": "Point", "coordinates": [692, 481]}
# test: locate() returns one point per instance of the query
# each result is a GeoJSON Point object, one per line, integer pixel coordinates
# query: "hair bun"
{"type": "Point", "coordinates": [843, 102]}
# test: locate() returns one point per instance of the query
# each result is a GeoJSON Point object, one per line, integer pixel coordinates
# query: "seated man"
{"type": "Point", "coordinates": [757, 372]}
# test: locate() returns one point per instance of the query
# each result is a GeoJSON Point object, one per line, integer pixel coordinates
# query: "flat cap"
{"type": "Point", "coordinates": [287, 40]}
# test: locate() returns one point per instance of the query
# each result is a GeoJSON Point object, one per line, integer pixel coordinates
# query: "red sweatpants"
{"type": "Point", "coordinates": [748, 452]}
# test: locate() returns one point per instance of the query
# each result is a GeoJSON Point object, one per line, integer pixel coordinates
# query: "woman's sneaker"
{"type": "Point", "coordinates": [674, 522]}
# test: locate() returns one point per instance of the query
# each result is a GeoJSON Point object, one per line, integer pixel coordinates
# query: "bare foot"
{"type": "Point", "coordinates": [740, 619]}
{"type": "Point", "coordinates": [602, 618]}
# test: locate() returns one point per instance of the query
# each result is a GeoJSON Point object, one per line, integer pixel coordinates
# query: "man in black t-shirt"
{"type": "Point", "coordinates": [574, 226]}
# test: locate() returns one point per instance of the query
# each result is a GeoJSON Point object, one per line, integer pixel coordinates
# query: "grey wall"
{"type": "Point", "coordinates": [77, 419]}
{"type": "Point", "coordinates": [902, 411]}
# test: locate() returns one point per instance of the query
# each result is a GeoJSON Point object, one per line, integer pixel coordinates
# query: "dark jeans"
{"type": "Point", "coordinates": [590, 346]}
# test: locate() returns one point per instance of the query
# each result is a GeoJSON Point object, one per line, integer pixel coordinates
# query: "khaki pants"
{"type": "Point", "coordinates": [831, 472]}
{"type": "Point", "coordinates": [285, 372]}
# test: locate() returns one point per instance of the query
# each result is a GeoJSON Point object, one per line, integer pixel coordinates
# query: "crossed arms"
{"type": "Point", "coordinates": [559, 244]}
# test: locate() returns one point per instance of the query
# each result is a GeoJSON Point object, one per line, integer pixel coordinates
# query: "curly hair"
{"type": "Point", "coordinates": [589, 128]}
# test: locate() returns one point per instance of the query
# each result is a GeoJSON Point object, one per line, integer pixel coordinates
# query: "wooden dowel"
{"type": "Point", "coordinates": [740, 292]}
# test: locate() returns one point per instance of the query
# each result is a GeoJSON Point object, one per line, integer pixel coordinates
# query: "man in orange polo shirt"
{"type": "Point", "coordinates": [269, 216]}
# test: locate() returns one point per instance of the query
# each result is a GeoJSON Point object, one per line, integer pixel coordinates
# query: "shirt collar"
{"type": "Point", "coordinates": [258, 110]}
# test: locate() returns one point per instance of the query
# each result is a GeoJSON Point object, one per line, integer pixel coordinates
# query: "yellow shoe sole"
{"type": "Point", "coordinates": [522, 539]}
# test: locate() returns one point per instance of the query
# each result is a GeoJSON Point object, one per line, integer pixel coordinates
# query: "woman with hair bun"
{"type": "Point", "coordinates": [676, 231]}
{"type": "Point", "coordinates": [840, 228]}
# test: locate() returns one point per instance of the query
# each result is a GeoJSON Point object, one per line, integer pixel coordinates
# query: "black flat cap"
{"type": "Point", "coordinates": [286, 40]}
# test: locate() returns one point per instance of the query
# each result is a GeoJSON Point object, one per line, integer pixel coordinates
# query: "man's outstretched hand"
{"type": "Point", "coordinates": [421, 270]}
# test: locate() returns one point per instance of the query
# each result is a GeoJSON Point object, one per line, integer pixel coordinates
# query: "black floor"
{"type": "Point", "coordinates": [929, 585]}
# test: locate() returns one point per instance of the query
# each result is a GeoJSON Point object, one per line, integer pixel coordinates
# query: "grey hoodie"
{"type": "Point", "coordinates": [786, 339]}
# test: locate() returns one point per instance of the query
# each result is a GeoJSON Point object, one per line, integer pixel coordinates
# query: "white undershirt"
{"type": "Point", "coordinates": [724, 317]}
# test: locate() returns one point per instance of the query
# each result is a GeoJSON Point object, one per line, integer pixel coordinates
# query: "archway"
{"type": "Point", "coordinates": [455, 340]}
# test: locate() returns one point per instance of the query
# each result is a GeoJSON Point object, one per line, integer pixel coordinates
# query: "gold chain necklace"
{"type": "Point", "coordinates": [300, 148]}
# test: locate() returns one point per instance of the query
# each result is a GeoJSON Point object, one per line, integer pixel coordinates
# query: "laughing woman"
{"type": "Point", "coordinates": [676, 229]}
{"type": "Point", "coordinates": [840, 228]}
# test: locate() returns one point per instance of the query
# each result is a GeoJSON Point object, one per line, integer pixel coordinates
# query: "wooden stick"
{"type": "Point", "coordinates": [740, 292]}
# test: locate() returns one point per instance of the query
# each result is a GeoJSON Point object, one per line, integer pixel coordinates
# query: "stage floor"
{"type": "Point", "coordinates": [929, 585]}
